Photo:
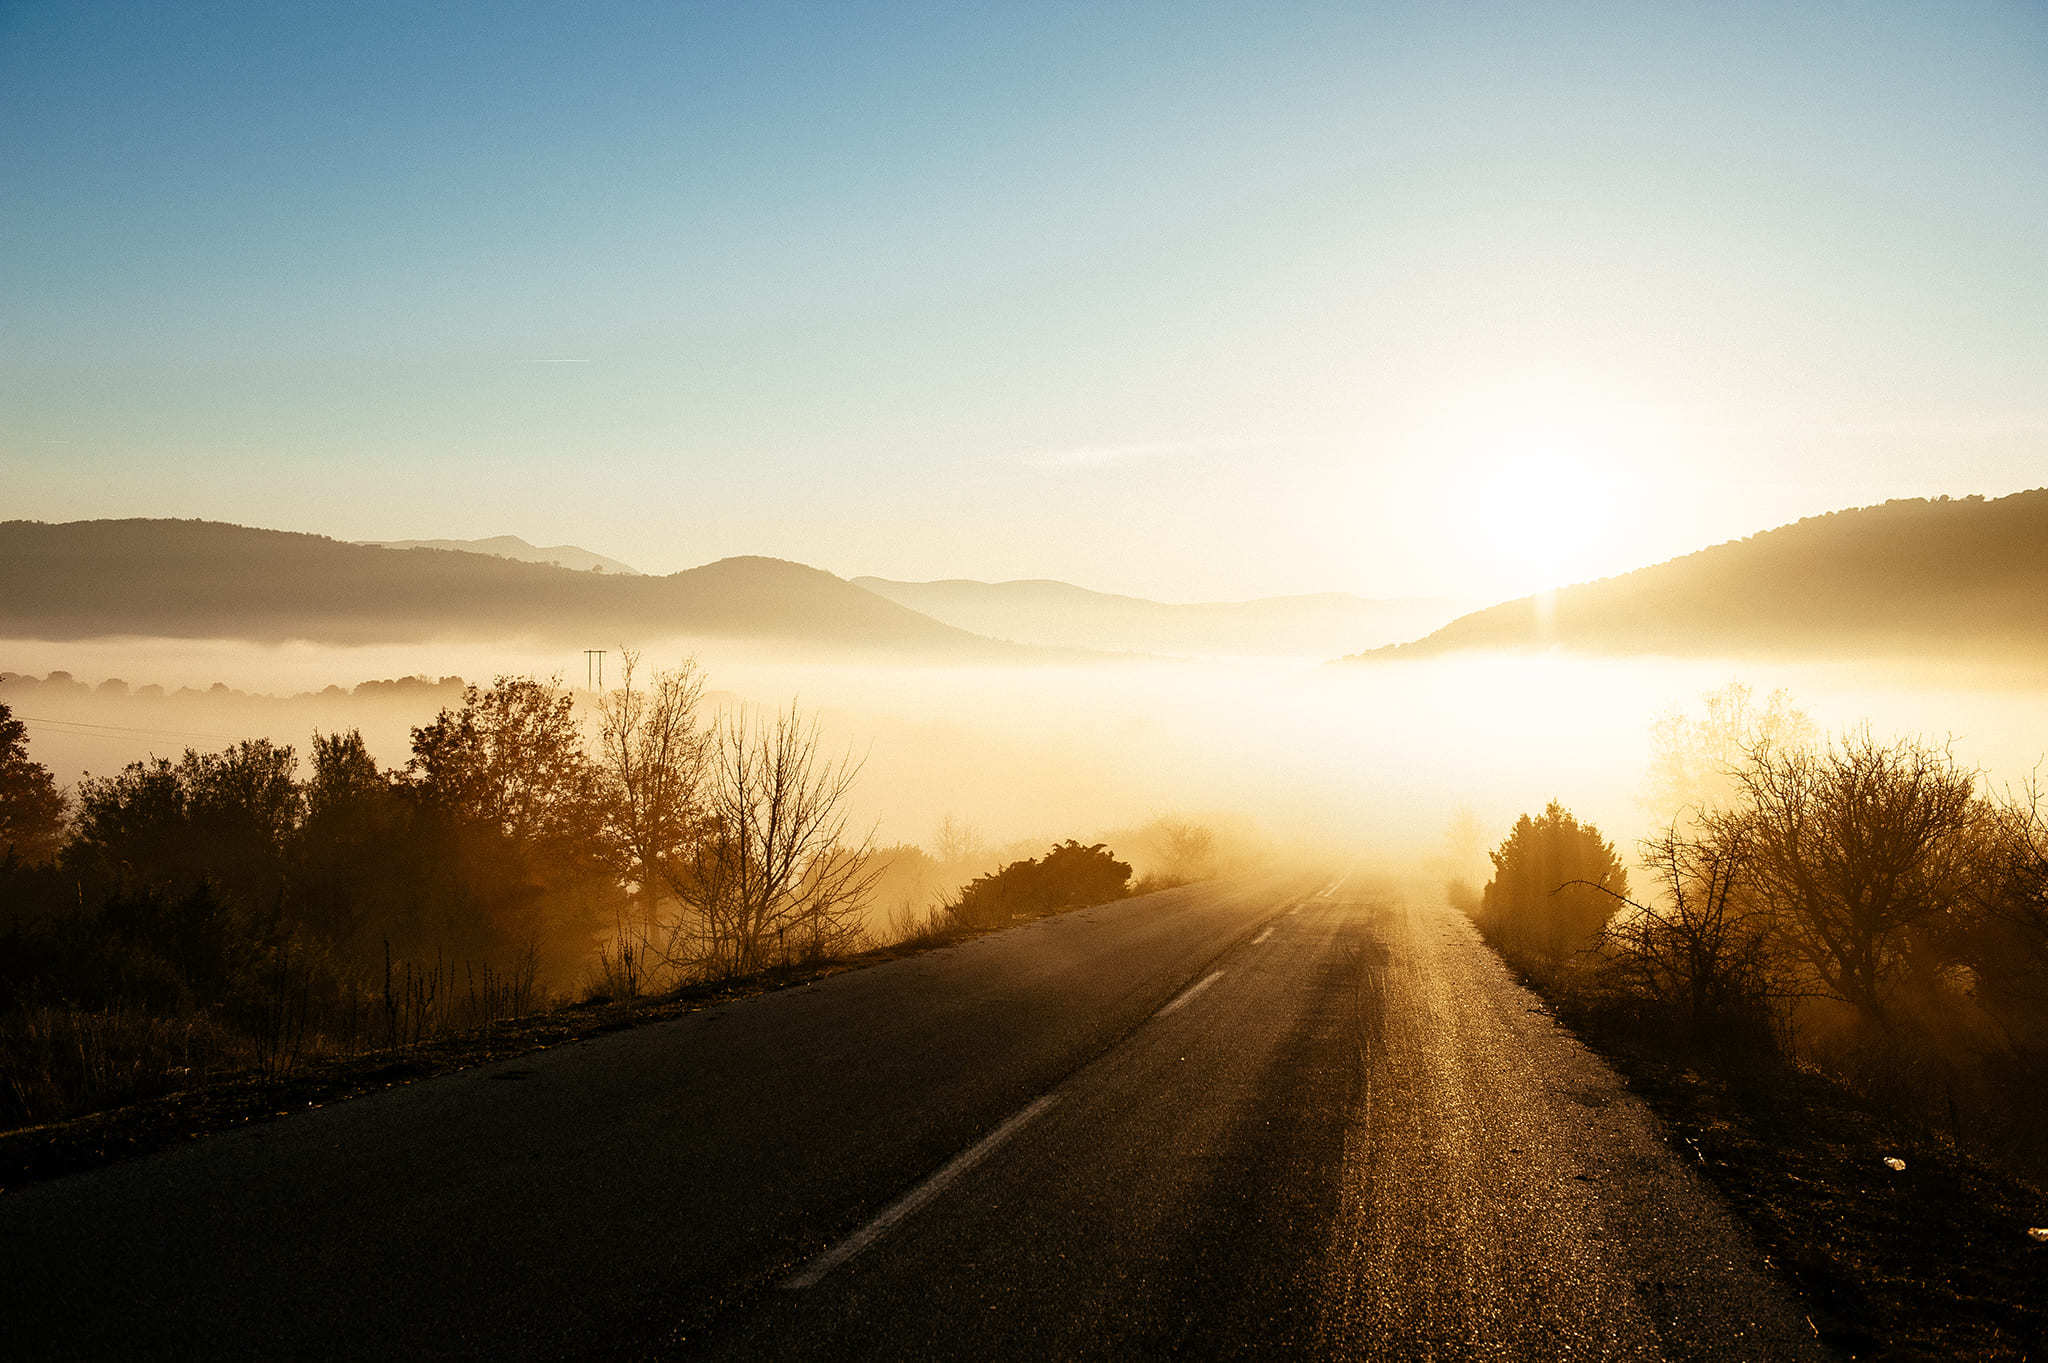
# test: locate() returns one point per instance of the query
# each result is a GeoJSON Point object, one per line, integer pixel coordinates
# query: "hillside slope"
{"type": "Point", "coordinates": [1061, 615]}
{"type": "Point", "coordinates": [204, 579]}
{"type": "Point", "coordinates": [513, 547]}
{"type": "Point", "coordinates": [1965, 578]}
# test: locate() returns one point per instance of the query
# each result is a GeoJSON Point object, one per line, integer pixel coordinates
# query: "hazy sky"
{"type": "Point", "coordinates": [1182, 300]}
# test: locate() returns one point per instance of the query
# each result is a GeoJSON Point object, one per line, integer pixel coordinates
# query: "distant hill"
{"type": "Point", "coordinates": [204, 579]}
{"type": "Point", "coordinates": [1954, 578]}
{"type": "Point", "coordinates": [1061, 615]}
{"type": "Point", "coordinates": [513, 547]}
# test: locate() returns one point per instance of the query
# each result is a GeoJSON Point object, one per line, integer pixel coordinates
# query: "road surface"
{"type": "Point", "coordinates": [1290, 1116]}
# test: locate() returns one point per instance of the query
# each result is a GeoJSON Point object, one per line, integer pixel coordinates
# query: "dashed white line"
{"type": "Point", "coordinates": [1189, 992]}
{"type": "Point", "coordinates": [911, 1201]}
{"type": "Point", "coordinates": [813, 1272]}
{"type": "Point", "coordinates": [1264, 933]}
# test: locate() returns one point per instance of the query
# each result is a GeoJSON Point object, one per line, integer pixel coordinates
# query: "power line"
{"type": "Point", "coordinates": [80, 724]}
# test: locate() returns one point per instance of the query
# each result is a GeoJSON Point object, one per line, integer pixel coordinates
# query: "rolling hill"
{"type": "Point", "coordinates": [1060, 615]}
{"type": "Point", "coordinates": [1965, 578]}
{"type": "Point", "coordinates": [205, 579]}
{"type": "Point", "coordinates": [513, 547]}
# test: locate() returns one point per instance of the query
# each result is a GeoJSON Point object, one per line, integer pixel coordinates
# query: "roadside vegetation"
{"type": "Point", "coordinates": [1067, 877]}
{"type": "Point", "coordinates": [254, 911]}
{"type": "Point", "coordinates": [1831, 980]}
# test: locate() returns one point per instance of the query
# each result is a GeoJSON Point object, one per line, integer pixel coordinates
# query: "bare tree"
{"type": "Point", "coordinates": [652, 756]}
{"type": "Point", "coordinates": [1694, 761]}
{"type": "Point", "coordinates": [1190, 849]}
{"type": "Point", "coordinates": [775, 878]}
{"type": "Point", "coordinates": [2006, 934]}
{"type": "Point", "coordinates": [956, 840]}
{"type": "Point", "coordinates": [1854, 848]}
{"type": "Point", "coordinates": [1704, 947]}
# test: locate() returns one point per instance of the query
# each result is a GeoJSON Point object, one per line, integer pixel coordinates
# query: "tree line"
{"type": "Point", "coordinates": [222, 906]}
{"type": "Point", "coordinates": [254, 905]}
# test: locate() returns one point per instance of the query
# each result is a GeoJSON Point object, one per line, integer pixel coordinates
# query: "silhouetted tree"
{"type": "Point", "coordinates": [356, 860]}
{"type": "Point", "coordinates": [2002, 932]}
{"type": "Point", "coordinates": [205, 944]}
{"type": "Point", "coordinates": [31, 806]}
{"type": "Point", "coordinates": [775, 877]}
{"type": "Point", "coordinates": [1703, 946]}
{"type": "Point", "coordinates": [1555, 883]}
{"type": "Point", "coordinates": [511, 819]}
{"type": "Point", "coordinates": [181, 873]}
{"type": "Point", "coordinates": [131, 826]}
{"type": "Point", "coordinates": [510, 758]}
{"type": "Point", "coordinates": [652, 760]}
{"type": "Point", "coordinates": [223, 818]}
{"type": "Point", "coordinates": [242, 806]}
{"type": "Point", "coordinates": [1855, 849]}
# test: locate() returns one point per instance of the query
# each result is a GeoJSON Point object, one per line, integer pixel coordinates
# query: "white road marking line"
{"type": "Point", "coordinates": [1189, 993]}
{"type": "Point", "coordinates": [1268, 932]}
{"type": "Point", "coordinates": [911, 1201]}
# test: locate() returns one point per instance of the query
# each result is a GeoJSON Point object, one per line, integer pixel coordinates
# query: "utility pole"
{"type": "Point", "coordinates": [593, 668]}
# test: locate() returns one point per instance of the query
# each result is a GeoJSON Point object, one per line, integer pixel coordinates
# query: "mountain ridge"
{"type": "Point", "coordinates": [1049, 613]}
{"type": "Point", "coordinates": [1968, 575]}
{"type": "Point", "coordinates": [211, 579]}
{"type": "Point", "coordinates": [513, 547]}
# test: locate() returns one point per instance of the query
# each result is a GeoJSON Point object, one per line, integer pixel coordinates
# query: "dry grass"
{"type": "Point", "coordinates": [167, 1103]}
{"type": "Point", "coordinates": [58, 1062]}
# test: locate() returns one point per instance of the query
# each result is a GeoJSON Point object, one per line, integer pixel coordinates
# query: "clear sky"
{"type": "Point", "coordinates": [1182, 300]}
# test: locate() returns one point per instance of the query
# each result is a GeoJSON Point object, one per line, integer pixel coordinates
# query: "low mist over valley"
{"type": "Point", "coordinates": [1082, 726]}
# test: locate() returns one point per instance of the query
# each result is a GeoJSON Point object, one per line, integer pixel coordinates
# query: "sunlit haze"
{"type": "Point", "coordinates": [1016, 681]}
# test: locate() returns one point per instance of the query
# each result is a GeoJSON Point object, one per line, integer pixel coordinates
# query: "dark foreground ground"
{"type": "Point", "coordinates": [1283, 1117]}
{"type": "Point", "coordinates": [1932, 1259]}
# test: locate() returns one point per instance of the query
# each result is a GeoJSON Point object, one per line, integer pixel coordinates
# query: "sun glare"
{"type": "Point", "coordinates": [1537, 473]}
{"type": "Point", "coordinates": [1537, 508]}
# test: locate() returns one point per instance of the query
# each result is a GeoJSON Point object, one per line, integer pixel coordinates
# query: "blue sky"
{"type": "Point", "coordinates": [1185, 300]}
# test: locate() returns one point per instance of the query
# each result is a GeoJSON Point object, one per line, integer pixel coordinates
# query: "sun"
{"type": "Point", "coordinates": [1539, 510]}
{"type": "Point", "coordinates": [1537, 481]}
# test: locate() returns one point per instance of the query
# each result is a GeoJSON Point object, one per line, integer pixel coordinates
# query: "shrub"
{"type": "Point", "coordinates": [1555, 884]}
{"type": "Point", "coordinates": [1066, 877]}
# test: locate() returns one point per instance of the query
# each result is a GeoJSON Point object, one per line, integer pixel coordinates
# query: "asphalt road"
{"type": "Point", "coordinates": [1282, 1117]}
